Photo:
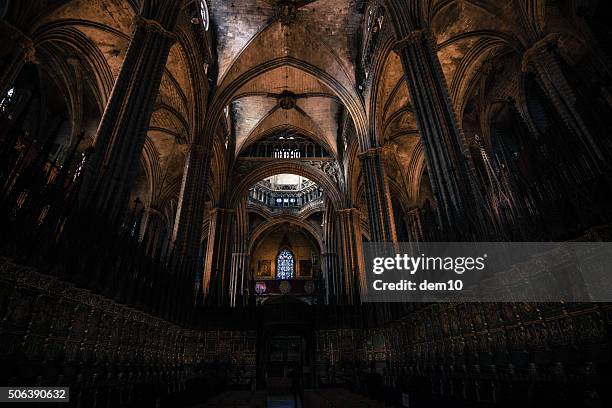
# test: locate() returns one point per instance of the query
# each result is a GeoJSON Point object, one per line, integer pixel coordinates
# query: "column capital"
{"type": "Point", "coordinates": [153, 26]}
{"type": "Point", "coordinates": [415, 36]}
{"type": "Point", "coordinates": [541, 47]}
{"type": "Point", "coordinates": [222, 211]}
{"type": "Point", "coordinates": [352, 210]}
{"type": "Point", "coordinates": [371, 152]}
{"type": "Point", "coordinates": [29, 50]}
{"type": "Point", "coordinates": [199, 148]}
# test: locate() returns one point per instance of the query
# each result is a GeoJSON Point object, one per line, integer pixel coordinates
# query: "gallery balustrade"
{"type": "Point", "coordinates": [287, 196]}
{"type": "Point", "coordinates": [286, 146]}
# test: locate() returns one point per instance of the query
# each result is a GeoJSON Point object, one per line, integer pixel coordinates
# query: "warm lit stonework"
{"type": "Point", "coordinates": [186, 187]}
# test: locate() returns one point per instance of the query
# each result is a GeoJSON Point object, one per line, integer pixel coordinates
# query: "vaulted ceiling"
{"type": "Point", "coordinates": [323, 35]}
{"type": "Point", "coordinates": [284, 65]}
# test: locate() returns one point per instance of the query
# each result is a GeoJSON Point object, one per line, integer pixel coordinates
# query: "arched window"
{"type": "Point", "coordinates": [285, 265]}
{"type": "Point", "coordinates": [204, 14]}
{"type": "Point", "coordinates": [7, 100]}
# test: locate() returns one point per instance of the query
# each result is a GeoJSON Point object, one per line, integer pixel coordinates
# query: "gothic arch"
{"type": "Point", "coordinates": [266, 213]}
{"type": "Point", "coordinates": [297, 167]}
{"type": "Point", "coordinates": [534, 13]}
{"type": "Point", "coordinates": [378, 66]}
{"type": "Point", "coordinates": [467, 69]}
{"type": "Point", "coordinates": [264, 227]}
{"type": "Point", "coordinates": [310, 133]}
{"type": "Point", "coordinates": [399, 193]}
{"type": "Point", "coordinates": [89, 55]}
{"type": "Point", "coordinates": [199, 82]}
{"type": "Point", "coordinates": [318, 60]}
{"type": "Point", "coordinates": [268, 125]}
{"type": "Point", "coordinates": [348, 97]}
{"type": "Point", "coordinates": [407, 15]}
{"type": "Point", "coordinates": [353, 174]}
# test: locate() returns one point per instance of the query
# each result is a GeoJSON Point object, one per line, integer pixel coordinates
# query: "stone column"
{"type": "Point", "coordinates": [23, 52]}
{"type": "Point", "coordinates": [238, 276]}
{"type": "Point", "coordinates": [380, 211]}
{"type": "Point", "coordinates": [447, 155]}
{"type": "Point", "coordinates": [331, 274]}
{"type": "Point", "coordinates": [240, 256]}
{"type": "Point", "coordinates": [216, 276]}
{"type": "Point", "coordinates": [541, 59]}
{"type": "Point", "coordinates": [352, 254]}
{"type": "Point", "coordinates": [123, 128]}
{"type": "Point", "coordinates": [187, 232]}
{"type": "Point", "coordinates": [329, 256]}
{"type": "Point", "coordinates": [413, 225]}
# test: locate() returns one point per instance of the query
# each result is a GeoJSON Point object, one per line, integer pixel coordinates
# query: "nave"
{"type": "Point", "coordinates": [187, 188]}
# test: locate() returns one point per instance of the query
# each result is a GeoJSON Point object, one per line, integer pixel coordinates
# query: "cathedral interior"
{"type": "Point", "coordinates": [186, 187]}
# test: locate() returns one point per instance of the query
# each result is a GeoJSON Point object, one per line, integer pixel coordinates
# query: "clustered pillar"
{"type": "Point", "coordinates": [216, 281]}
{"type": "Point", "coordinates": [238, 277]}
{"type": "Point", "coordinates": [446, 153]}
{"type": "Point", "coordinates": [352, 255]}
{"type": "Point", "coordinates": [542, 60]}
{"type": "Point", "coordinates": [122, 130]}
{"type": "Point", "coordinates": [329, 256]}
{"type": "Point", "coordinates": [190, 212]}
{"type": "Point", "coordinates": [380, 211]}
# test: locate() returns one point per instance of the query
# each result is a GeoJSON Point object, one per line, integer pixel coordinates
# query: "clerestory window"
{"type": "Point", "coordinates": [204, 14]}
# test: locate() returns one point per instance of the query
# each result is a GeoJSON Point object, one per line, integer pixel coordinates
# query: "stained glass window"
{"type": "Point", "coordinates": [285, 265]}
{"type": "Point", "coordinates": [7, 100]}
{"type": "Point", "coordinates": [204, 14]}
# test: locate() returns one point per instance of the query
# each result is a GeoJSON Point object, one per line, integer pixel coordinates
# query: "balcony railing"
{"type": "Point", "coordinates": [283, 198]}
{"type": "Point", "coordinates": [285, 287]}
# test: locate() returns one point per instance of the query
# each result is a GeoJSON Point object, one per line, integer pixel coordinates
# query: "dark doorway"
{"type": "Point", "coordinates": [284, 355]}
{"type": "Point", "coordinates": [284, 361]}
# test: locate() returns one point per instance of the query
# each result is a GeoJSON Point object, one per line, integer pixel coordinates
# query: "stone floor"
{"type": "Point", "coordinates": [281, 401]}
